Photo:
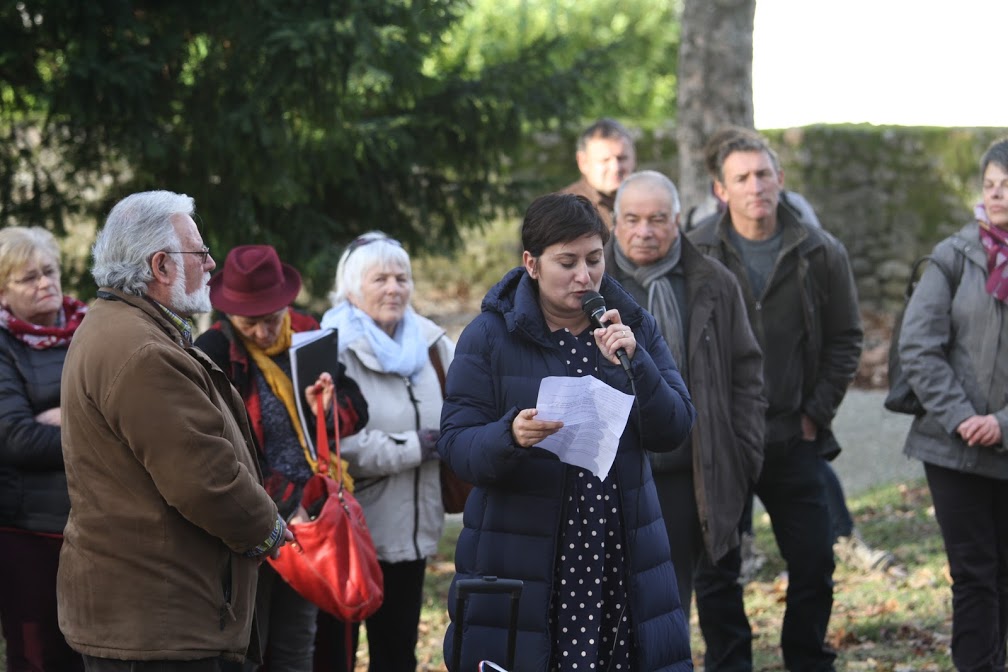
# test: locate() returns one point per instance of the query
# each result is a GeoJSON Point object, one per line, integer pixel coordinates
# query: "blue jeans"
{"type": "Point", "coordinates": [791, 489]}
{"type": "Point", "coordinates": [840, 517]}
{"type": "Point", "coordinates": [972, 512]}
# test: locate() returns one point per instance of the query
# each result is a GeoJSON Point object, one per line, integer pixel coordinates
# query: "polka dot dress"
{"type": "Point", "coordinates": [589, 619]}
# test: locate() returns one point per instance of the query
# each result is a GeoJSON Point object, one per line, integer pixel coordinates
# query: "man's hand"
{"type": "Point", "coordinates": [809, 431]}
{"type": "Point", "coordinates": [284, 538]}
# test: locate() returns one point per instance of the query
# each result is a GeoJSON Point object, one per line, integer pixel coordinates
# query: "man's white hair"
{"type": "Point", "coordinates": [653, 177]}
{"type": "Point", "coordinates": [138, 226]}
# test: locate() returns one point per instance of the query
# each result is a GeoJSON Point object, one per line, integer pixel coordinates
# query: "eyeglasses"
{"type": "Point", "coordinates": [367, 239]}
{"type": "Point", "coordinates": [205, 252]}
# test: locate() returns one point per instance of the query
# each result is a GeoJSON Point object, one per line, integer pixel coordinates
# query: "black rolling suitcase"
{"type": "Point", "coordinates": [494, 586]}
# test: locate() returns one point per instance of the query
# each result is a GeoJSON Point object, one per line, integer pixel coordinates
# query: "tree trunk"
{"type": "Point", "coordinates": [715, 84]}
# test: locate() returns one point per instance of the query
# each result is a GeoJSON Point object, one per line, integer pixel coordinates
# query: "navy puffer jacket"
{"type": "Point", "coordinates": [512, 518]}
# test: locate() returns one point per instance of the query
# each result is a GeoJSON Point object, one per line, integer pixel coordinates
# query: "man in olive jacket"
{"type": "Point", "coordinates": [802, 305]}
{"type": "Point", "coordinates": [704, 486]}
{"type": "Point", "coordinates": [168, 519]}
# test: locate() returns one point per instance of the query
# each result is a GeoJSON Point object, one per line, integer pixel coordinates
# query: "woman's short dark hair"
{"type": "Point", "coordinates": [997, 153]}
{"type": "Point", "coordinates": [560, 218]}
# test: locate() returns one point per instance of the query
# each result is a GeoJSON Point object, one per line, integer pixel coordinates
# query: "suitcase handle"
{"type": "Point", "coordinates": [486, 585]}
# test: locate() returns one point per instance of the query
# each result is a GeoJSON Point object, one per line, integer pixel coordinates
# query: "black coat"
{"type": "Point", "coordinates": [806, 321]}
{"type": "Point", "coordinates": [725, 380]}
{"type": "Point", "coordinates": [33, 488]}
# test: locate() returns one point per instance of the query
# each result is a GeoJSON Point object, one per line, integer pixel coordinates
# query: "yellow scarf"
{"type": "Point", "coordinates": [283, 389]}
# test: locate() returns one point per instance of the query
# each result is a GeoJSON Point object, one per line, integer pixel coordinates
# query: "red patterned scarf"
{"type": "Point", "coordinates": [40, 337]}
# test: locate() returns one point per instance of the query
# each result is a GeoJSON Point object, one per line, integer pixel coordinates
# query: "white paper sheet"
{"type": "Point", "coordinates": [594, 417]}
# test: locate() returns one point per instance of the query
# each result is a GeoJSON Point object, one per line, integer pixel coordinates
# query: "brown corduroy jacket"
{"type": "Point", "coordinates": [165, 494]}
{"type": "Point", "coordinates": [602, 202]}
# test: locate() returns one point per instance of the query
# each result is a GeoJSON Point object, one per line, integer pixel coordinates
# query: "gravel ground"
{"type": "Point", "coordinates": [872, 440]}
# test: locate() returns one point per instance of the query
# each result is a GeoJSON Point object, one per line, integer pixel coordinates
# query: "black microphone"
{"type": "Point", "coordinates": [593, 306]}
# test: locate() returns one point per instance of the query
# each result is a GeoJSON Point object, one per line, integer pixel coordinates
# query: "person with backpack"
{"type": "Point", "coordinates": [953, 348]}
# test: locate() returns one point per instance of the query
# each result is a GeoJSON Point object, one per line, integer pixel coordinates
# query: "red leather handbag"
{"type": "Point", "coordinates": [332, 561]}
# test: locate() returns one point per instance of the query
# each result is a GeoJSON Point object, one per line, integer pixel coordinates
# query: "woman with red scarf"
{"type": "Point", "coordinates": [954, 349]}
{"type": "Point", "coordinates": [36, 324]}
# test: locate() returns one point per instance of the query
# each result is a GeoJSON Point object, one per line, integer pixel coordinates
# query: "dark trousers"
{"type": "Point", "coordinates": [92, 664]}
{"type": "Point", "coordinates": [286, 624]}
{"type": "Point", "coordinates": [791, 489]}
{"type": "Point", "coordinates": [391, 631]}
{"type": "Point", "coordinates": [972, 512]}
{"type": "Point", "coordinates": [28, 564]}
{"type": "Point", "coordinates": [840, 517]}
{"type": "Point", "coordinates": [682, 523]}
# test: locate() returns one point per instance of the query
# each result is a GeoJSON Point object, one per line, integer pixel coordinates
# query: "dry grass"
{"type": "Point", "coordinates": [880, 623]}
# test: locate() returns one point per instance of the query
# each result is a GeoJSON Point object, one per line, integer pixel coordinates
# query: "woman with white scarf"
{"type": "Point", "coordinates": [387, 347]}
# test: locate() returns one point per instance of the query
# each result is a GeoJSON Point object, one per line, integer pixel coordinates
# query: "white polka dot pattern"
{"type": "Point", "coordinates": [589, 619]}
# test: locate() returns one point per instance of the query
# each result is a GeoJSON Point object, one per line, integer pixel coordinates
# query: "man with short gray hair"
{"type": "Point", "coordinates": [605, 156]}
{"type": "Point", "coordinates": [168, 519]}
{"type": "Point", "coordinates": [802, 305]}
{"type": "Point", "coordinates": [703, 486]}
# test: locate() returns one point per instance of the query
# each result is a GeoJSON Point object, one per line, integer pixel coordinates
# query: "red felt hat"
{"type": "Point", "coordinates": [254, 282]}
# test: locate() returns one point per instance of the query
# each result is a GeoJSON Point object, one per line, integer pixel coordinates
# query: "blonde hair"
{"type": "Point", "coordinates": [21, 245]}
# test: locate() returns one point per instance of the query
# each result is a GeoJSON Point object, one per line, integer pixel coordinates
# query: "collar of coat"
{"type": "Point", "coordinates": [150, 308]}
{"type": "Point", "coordinates": [516, 299]}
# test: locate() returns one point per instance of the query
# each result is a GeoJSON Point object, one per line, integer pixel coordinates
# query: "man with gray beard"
{"type": "Point", "coordinates": [168, 519]}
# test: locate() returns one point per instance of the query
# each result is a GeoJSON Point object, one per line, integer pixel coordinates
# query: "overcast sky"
{"type": "Point", "coordinates": [923, 62]}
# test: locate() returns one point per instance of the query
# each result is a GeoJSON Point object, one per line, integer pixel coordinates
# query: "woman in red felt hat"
{"type": "Point", "coordinates": [250, 343]}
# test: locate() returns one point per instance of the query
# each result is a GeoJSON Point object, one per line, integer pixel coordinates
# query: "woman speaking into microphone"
{"type": "Point", "coordinates": [599, 586]}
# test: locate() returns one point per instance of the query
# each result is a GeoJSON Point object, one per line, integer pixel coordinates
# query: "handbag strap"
{"type": "Point", "coordinates": [435, 360]}
{"type": "Point", "coordinates": [322, 443]}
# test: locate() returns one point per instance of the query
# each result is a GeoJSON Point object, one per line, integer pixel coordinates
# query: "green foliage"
{"type": "Point", "coordinates": [297, 124]}
{"type": "Point", "coordinates": [632, 48]}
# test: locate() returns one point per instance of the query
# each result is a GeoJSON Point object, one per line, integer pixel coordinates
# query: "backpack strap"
{"type": "Point", "coordinates": [952, 276]}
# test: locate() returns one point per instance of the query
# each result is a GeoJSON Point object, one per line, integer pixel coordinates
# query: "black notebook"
{"type": "Point", "coordinates": [312, 353]}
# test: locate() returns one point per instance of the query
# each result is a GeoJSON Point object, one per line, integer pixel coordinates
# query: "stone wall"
{"type": "Point", "coordinates": [889, 193]}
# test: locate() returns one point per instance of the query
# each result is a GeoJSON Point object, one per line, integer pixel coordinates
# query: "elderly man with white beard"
{"type": "Point", "coordinates": [169, 519]}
